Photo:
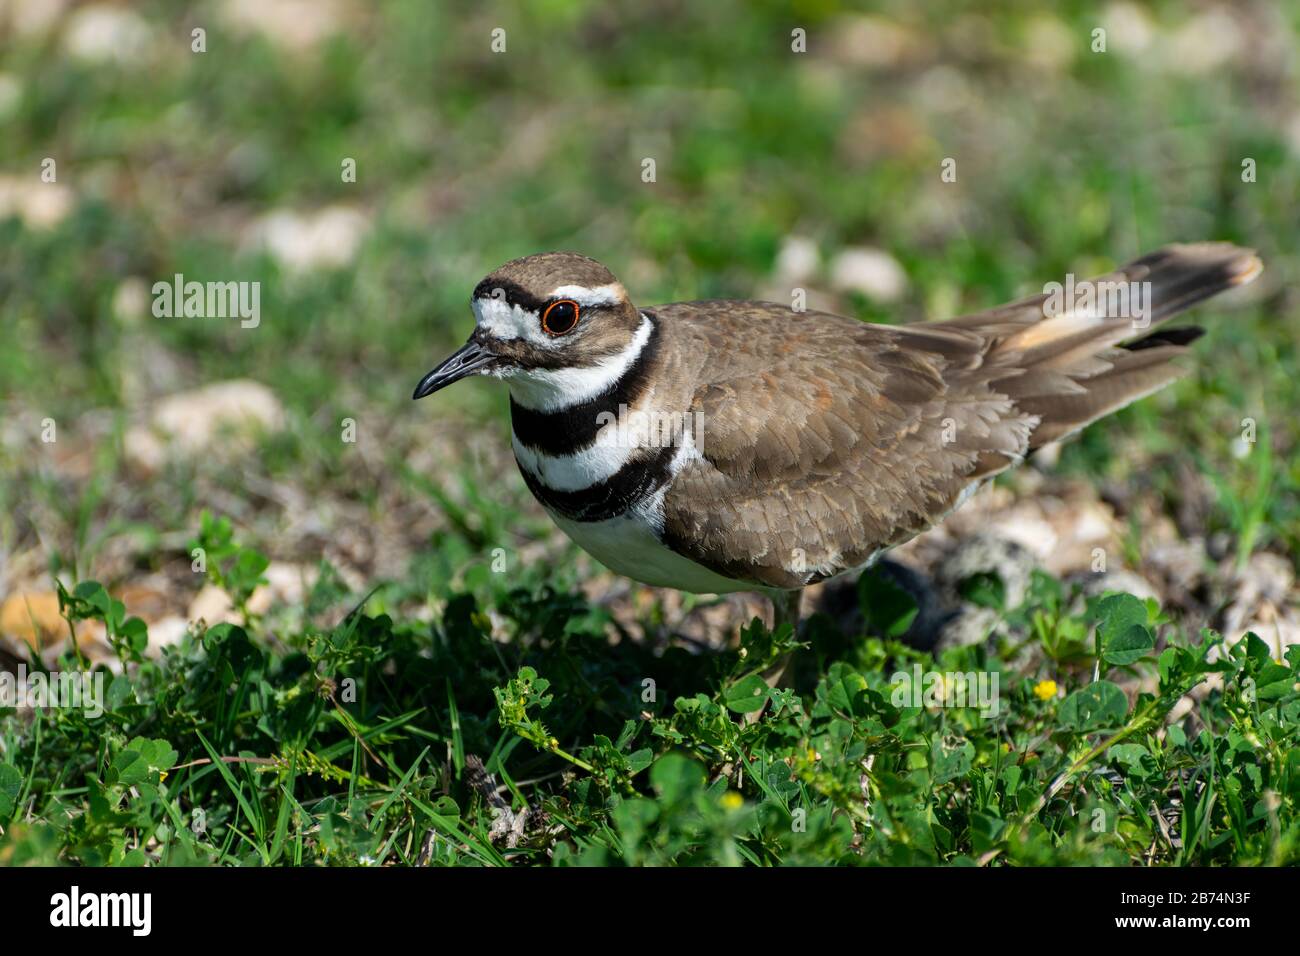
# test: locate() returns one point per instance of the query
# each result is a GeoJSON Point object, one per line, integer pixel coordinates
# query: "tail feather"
{"type": "Point", "coordinates": [1086, 360]}
{"type": "Point", "coordinates": [1132, 376]}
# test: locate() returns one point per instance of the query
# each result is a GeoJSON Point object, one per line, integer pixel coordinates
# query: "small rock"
{"type": "Point", "coordinates": [286, 584]}
{"type": "Point", "coordinates": [1183, 564]}
{"type": "Point", "coordinates": [131, 301]}
{"type": "Point", "coordinates": [1258, 590]}
{"type": "Point", "coordinates": [290, 24]}
{"type": "Point", "coordinates": [1266, 575]}
{"type": "Point", "coordinates": [1128, 28]}
{"type": "Point", "coordinates": [189, 422]}
{"type": "Point", "coordinates": [30, 17]}
{"type": "Point", "coordinates": [873, 272]}
{"type": "Point", "coordinates": [301, 242]}
{"type": "Point", "coordinates": [104, 33]}
{"type": "Point", "coordinates": [1219, 545]}
{"type": "Point", "coordinates": [40, 205]}
{"type": "Point", "coordinates": [1278, 629]}
{"type": "Point", "coordinates": [987, 554]}
{"type": "Point", "coordinates": [968, 626]}
{"type": "Point", "coordinates": [212, 605]}
{"type": "Point", "coordinates": [33, 618]}
{"type": "Point", "coordinates": [1049, 43]}
{"type": "Point", "coordinates": [31, 622]}
{"type": "Point", "coordinates": [797, 261]}
{"type": "Point", "coordinates": [1204, 43]}
{"type": "Point", "coordinates": [876, 43]}
{"type": "Point", "coordinates": [1027, 527]}
{"type": "Point", "coordinates": [166, 632]}
{"type": "Point", "coordinates": [1118, 581]}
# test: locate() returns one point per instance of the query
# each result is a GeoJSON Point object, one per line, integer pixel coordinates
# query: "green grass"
{"type": "Point", "coordinates": [349, 745]}
{"type": "Point", "coordinates": [312, 735]}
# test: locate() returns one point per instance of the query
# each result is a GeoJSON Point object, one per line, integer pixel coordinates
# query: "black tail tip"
{"type": "Point", "coordinates": [1185, 335]}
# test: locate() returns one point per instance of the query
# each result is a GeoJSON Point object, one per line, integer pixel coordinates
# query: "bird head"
{"type": "Point", "coordinates": [546, 324]}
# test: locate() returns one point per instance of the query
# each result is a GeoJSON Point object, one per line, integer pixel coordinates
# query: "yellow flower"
{"type": "Point", "coordinates": [1045, 689]}
{"type": "Point", "coordinates": [732, 800]}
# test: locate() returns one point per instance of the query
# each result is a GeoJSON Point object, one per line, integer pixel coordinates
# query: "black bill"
{"type": "Point", "coordinates": [468, 359]}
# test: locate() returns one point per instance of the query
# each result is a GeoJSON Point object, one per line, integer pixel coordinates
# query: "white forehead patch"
{"type": "Point", "coordinates": [501, 320]}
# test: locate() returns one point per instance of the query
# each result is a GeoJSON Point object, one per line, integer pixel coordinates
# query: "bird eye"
{"type": "Point", "coordinates": [560, 317]}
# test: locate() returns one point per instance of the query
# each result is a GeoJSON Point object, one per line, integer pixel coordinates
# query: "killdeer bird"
{"type": "Point", "coordinates": [732, 445]}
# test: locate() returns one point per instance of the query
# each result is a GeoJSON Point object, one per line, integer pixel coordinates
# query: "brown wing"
{"type": "Point", "coordinates": [825, 440]}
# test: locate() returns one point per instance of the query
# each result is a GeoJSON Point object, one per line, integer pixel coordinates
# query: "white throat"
{"type": "Point", "coordinates": [551, 390]}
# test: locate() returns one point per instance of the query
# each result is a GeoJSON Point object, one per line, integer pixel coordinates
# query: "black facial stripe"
{"type": "Point", "coordinates": [514, 294]}
{"type": "Point", "coordinates": [610, 498]}
{"type": "Point", "coordinates": [525, 354]}
{"type": "Point", "coordinates": [571, 429]}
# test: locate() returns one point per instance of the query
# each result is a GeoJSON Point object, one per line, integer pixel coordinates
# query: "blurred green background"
{"type": "Point", "coordinates": [774, 168]}
{"type": "Point", "coordinates": [1081, 134]}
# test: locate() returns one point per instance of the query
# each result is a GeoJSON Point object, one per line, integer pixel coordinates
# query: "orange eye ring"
{"type": "Point", "coordinates": [560, 321]}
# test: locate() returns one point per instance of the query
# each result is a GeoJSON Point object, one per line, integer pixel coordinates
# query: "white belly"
{"type": "Point", "coordinates": [627, 545]}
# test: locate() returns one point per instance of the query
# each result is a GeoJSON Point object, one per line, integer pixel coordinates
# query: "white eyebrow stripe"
{"type": "Point", "coordinates": [610, 294]}
{"type": "Point", "coordinates": [499, 319]}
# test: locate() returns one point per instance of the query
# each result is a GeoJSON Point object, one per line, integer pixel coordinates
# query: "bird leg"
{"type": "Point", "coordinates": [785, 609]}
